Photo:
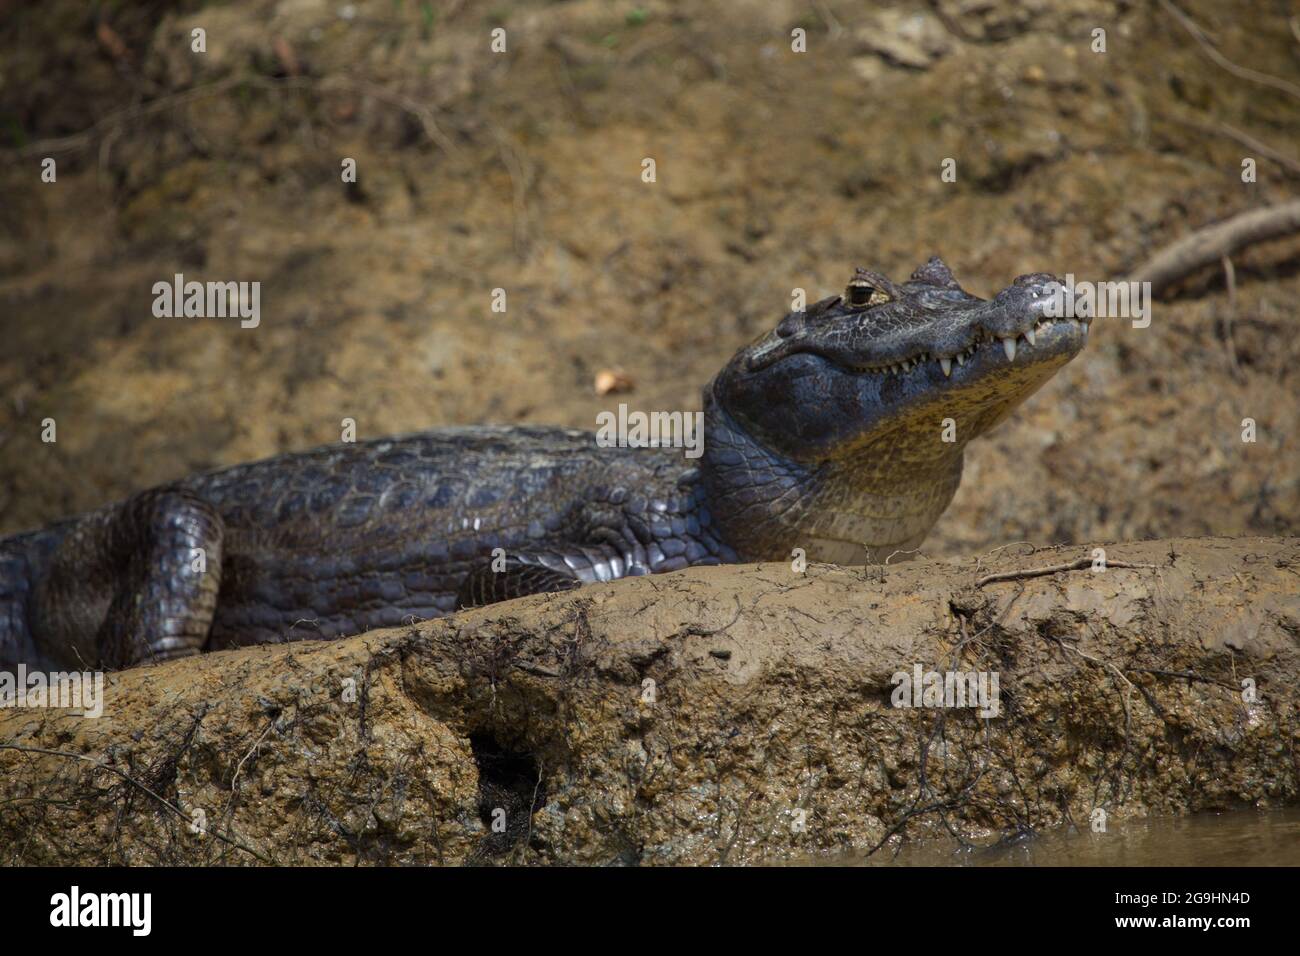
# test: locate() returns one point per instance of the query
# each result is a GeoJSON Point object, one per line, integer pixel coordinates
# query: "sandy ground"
{"type": "Point", "coordinates": [522, 171]}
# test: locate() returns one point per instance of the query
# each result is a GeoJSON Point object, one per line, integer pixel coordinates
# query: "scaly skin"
{"type": "Point", "coordinates": [827, 434]}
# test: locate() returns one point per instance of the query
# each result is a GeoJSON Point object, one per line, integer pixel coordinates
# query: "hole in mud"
{"type": "Point", "coordinates": [510, 791]}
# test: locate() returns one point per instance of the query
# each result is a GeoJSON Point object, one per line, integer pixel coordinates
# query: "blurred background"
{"type": "Point", "coordinates": [522, 170]}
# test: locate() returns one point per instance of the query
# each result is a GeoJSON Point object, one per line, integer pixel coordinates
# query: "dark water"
{"type": "Point", "coordinates": [1236, 838]}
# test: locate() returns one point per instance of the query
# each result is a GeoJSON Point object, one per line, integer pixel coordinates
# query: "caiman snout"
{"type": "Point", "coordinates": [877, 327]}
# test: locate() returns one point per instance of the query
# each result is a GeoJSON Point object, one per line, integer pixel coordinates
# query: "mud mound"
{"type": "Point", "coordinates": [720, 715]}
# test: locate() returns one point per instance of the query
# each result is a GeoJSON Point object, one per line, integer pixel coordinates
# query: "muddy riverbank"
{"type": "Point", "coordinates": [714, 716]}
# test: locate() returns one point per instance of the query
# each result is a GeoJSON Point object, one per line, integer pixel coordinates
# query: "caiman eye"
{"type": "Point", "coordinates": [862, 293]}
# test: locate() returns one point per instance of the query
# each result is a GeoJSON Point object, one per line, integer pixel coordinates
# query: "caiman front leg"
{"type": "Point", "coordinates": [560, 567]}
{"type": "Point", "coordinates": [132, 584]}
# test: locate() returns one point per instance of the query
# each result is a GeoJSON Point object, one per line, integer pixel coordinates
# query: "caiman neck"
{"type": "Point", "coordinates": [859, 507]}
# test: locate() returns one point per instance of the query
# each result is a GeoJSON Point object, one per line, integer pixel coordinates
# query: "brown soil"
{"type": "Point", "coordinates": [725, 715]}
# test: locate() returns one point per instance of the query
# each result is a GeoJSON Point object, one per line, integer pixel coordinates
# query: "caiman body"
{"type": "Point", "coordinates": [840, 432]}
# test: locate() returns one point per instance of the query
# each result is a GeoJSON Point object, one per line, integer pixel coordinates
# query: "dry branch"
{"type": "Point", "coordinates": [1242, 72]}
{"type": "Point", "coordinates": [1211, 244]}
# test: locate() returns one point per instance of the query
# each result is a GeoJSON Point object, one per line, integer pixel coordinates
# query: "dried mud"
{"type": "Point", "coordinates": [711, 716]}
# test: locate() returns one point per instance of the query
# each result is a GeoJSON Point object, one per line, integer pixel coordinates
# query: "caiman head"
{"type": "Point", "coordinates": [842, 430]}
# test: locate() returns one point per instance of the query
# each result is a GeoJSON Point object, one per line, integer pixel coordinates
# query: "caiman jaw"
{"type": "Point", "coordinates": [884, 354]}
{"type": "Point", "coordinates": [917, 325]}
{"type": "Point", "coordinates": [870, 399]}
{"type": "Point", "coordinates": [1022, 344]}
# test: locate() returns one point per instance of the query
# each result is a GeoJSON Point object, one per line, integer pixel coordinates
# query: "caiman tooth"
{"type": "Point", "coordinates": [1009, 346]}
{"type": "Point", "coordinates": [946, 365]}
{"type": "Point", "coordinates": [1029, 336]}
{"type": "Point", "coordinates": [961, 358]}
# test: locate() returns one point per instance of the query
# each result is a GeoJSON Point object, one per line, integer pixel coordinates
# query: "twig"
{"type": "Point", "coordinates": [519, 847]}
{"type": "Point", "coordinates": [979, 560]}
{"type": "Point", "coordinates": [1184, 675]}
{"type": "Point", "coordinates": [695, 630]}
{"type": "Point", "coordinates": [1097, 661]}
{"type": "Point", "coordinates": [833, 26]}
{"type": "Point", "coordinates": [916, 551]}
{"type": "Point", "coordinates": [1076, 565]}
{"type": "Point", "coordinates": [135, 783]}
{"type": "Point", "coordinates": [401, 101]}
{"type": "Point", "coordinates": [1245, 73]}
{"type": "Point", "coordinates": [535, 669]}
{"type": "Point", "coordinates": [952, 25]}
{"type": "Point", "coordinates": [520, 180]}
{"type": "Point", "coordinates": [119, 119]}
{"type": "Point", "coordinates": [234, 792]}
{"type": "Point", "coordinates": [1229, 341]}
{"type": "Point", "coordinates": [1263, 149]}
{"type": "Point", "coordinates": [1245, 139]}
{"type": "Point", "coordinates": [1212, 243]}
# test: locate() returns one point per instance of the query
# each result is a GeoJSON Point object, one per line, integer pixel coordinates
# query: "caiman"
{"type": "Point", "coordinates": [840, 432]}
